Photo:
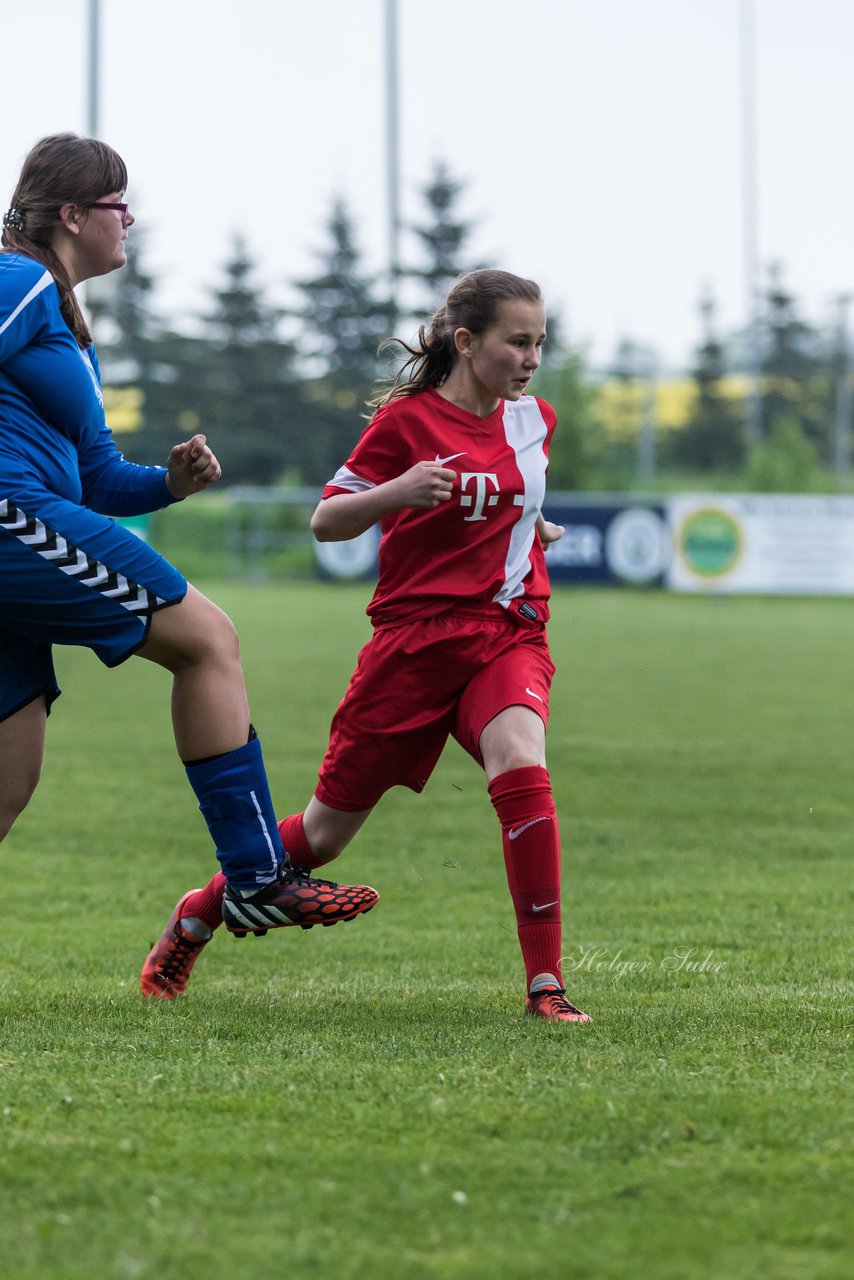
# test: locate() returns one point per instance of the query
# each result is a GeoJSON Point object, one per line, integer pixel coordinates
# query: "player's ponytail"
{"type": "Point", "coordinates": [472, 304]}
{"type": "Point", "coordinates": [61, 169]}
{"type": "Point", "coordinates": [427, 364]}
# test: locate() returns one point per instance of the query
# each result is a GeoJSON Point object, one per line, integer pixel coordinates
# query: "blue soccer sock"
{"type": "Point", "coordinates": [234, 798]}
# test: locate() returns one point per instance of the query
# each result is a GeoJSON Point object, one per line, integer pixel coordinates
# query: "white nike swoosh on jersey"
{"type": "Point", "coordinates": [545, 904]}
{"type": "Point", "coordinates": [534, 695]}
{"type": "Point", "coordinates": [517, 831]}
{"type": "Point", "coordinates": [450, 458]}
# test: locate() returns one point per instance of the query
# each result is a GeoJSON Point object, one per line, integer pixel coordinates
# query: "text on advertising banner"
{"type": "Point", "coordinates": [609, 543]}
{"type": "Point", "coordinates": [774, 544]}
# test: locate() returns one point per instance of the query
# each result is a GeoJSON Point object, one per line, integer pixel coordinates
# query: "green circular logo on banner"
{"type": "Point", "coordinates": [711, 542]}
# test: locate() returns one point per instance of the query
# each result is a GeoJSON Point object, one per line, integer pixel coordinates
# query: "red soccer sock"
{"type": "Point", "coordinates": [206, 904]}
{"type": "Point", "coordinates": [522, 798]}
{"type": "Point", "coordinates": [296, 844]}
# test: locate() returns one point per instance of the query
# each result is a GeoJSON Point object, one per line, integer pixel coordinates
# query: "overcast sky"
{"type": "Point", "coordinates": [599, 140]}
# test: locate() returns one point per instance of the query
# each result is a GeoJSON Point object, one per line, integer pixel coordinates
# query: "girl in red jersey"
{"type": "Point", "coordinates": [453, 467]}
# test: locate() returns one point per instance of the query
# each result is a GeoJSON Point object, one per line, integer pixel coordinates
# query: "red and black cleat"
{"type": "Point", "coordinates": [548, 1001]}
{"type": "Point", "coordinates": [296, 898]}
{"type": "Point", "coordinates": [169, 963]}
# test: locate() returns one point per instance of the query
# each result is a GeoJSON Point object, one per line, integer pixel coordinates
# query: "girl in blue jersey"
{"type": "Point", "coordinates": [70, 575]}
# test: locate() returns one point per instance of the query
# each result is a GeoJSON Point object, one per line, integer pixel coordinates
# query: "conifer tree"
{"type": "Point", "coordinates": [441, 238]}
{"type": "Point", "coordinates": [714, 436]}
{"type": "Point", "coordinates": [343, 317]}
{"type": "Point", "coordinates": [795, 372]}
{"type": "Point", "coordinates": [246, 387]}
{"type": "Point", "coordinates": [128, 335]}
{"type": "Point", "coordinates": [343, 313]}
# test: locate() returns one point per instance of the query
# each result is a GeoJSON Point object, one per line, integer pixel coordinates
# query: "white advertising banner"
{"type": "Point", "coordinates": [763, 543]}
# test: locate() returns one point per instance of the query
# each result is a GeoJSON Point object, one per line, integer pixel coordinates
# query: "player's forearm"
{"type": "Point", "coordinates": [346, 515]}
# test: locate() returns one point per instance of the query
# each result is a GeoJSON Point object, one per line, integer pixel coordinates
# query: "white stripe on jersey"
{"type": "Point", "coordinates": [39, 287]}
{"type": "Point", "coordinates": [525, 430]}
{"type": "Point", "coordinates": [84, 355]}
{"type": "Point", "coordinates": [344, 478]}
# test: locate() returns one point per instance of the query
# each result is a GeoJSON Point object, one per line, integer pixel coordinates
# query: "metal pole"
{"type": "Point", "coordinates": [750, 219]}
{"type": "Point", "coordinates": [392, 142]}
{"type": "Point", "coordinates": [648, 428]}
{"type": "Point", "coordinates": [844, 397]}
{"type": "Point", "coordinates": [91, 291]}
{"type": "Point", "coordinates": [92, 120]}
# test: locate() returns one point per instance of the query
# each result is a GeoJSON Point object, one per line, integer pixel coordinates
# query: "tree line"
{"type": "Point", "coordinates": [281, 391]}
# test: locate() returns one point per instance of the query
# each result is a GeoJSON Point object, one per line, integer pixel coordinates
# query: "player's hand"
{"type": "Point", "coordinates": [425, 485]}
{"type": "Point", "coordinates": [191, 468]}
{"type": "Point", "coordinates": [549, 532]}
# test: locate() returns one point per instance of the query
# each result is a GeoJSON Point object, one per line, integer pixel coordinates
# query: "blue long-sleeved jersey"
{"type": "Point", "coordinates": [52, 430]}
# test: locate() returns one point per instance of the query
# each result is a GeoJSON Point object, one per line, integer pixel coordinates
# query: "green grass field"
{"type": "Point", "coordinates": [368, 1100]}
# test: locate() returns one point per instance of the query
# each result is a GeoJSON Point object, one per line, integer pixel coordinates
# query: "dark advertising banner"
{"type": "Point", "coordinates": [612, 543]}
{"type": "Point", "coordinates": [620, 544]}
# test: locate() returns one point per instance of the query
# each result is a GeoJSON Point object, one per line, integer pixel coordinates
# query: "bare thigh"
{"type": "Point", "coordinates": [22, 738]}
{"type": "Point", "coordinates": [514, 739]}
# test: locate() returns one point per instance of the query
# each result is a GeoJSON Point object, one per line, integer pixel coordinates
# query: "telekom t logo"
{"type": "Point", "coordinates": [479, 499]}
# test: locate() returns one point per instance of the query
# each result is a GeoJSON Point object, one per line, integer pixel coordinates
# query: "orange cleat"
{"type": "Point", "coordinates": [547, 1000]}
{"type": "Point", "coordinates": [168, 965]}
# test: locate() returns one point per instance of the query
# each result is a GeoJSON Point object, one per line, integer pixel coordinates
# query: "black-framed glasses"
{"type": "Point", "coordinates": [119, 205]}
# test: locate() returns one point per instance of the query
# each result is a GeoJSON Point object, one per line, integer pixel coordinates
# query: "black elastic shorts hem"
{"type": "Point", "coordinates": [50, 693]}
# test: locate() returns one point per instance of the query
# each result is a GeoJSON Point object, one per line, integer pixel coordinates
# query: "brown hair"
{"type": "Point", "coordinates": [61, 169]}
{"type": "Point", "coordinates": [472, 304]}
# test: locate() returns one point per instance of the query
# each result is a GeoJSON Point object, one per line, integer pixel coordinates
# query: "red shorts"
{"type": "Point", "coordinates": [418, 683]}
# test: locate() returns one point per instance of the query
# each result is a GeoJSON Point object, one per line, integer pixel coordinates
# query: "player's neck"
{"type": "Point", "coordinates": [466, 392]}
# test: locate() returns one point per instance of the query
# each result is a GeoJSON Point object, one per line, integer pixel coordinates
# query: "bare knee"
{"type": "Point", "coordinates": [195, 632]}
{"type": "Point", "coordinates": [515, 739]}
{"type": "Point", "coordinates": [514, 757]}
{"type": "Point", "coordinates": [15, 795]}
{"type": "Point", "coordinates": [21, 752]}
{"type": "Point", "coordinates": [218, 642]}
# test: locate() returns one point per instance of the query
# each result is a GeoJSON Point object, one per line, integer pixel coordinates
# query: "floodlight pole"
{"type": "Point", "coordinates": [93, 59]}
{"type": "Point", "coordinates": [750, 218]}
{"type": "Point", "coordinates": [647, 372]}
{"type": "Point", "coordinates": [92, 121]}
{"type": "Point", "coordinates": [844, 398]}
{"type": "Point", "coordinates": [392, 144]}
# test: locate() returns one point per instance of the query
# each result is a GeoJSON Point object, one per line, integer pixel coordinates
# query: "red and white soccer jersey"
{"type": "Point", "coordinates": [480, 548]}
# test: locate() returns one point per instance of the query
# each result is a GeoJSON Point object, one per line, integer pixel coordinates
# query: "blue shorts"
{"type": "Point", "coordinates": [71, 576]}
